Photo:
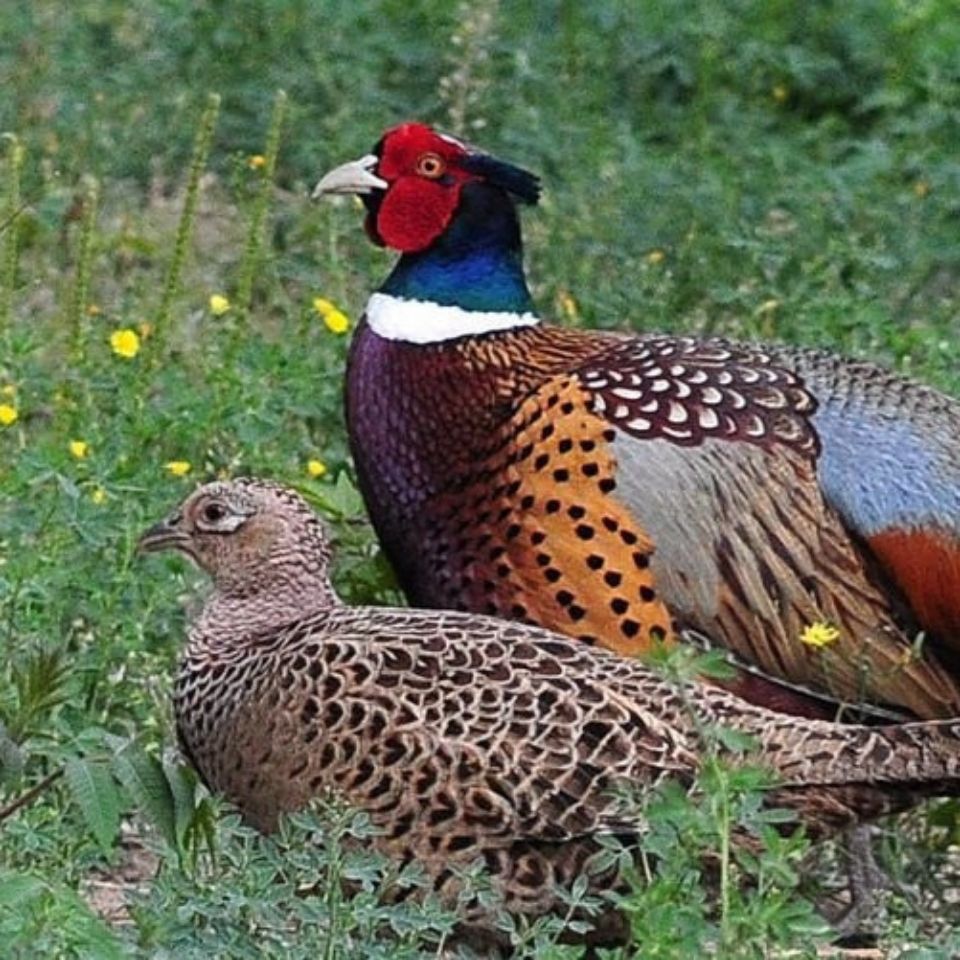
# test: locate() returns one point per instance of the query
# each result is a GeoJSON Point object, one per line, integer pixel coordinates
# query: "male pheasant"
{"type": "Point", "coordinates": [466, 737]}
{"type": "Point", "coordinates": [618, 487]}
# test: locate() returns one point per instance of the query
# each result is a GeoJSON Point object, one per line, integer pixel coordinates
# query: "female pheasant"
{"type": "Point", "coordinates": [465, 737]}
{"type": "Point", "coordinates": [617, 488]}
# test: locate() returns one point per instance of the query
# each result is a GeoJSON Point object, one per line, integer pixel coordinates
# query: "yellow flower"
{"type": "Point", "coordinates": [316, 468]}
{"type": "Point", "coordinates": [219, 304]}
{"type": "Point", "coordinates": [656, 256]}
{"type": "Point", "coordinates": [336, 321]}
{"type": "Point", "coordinates": [820, 634]}
{"type": "Point", "coordinates": [98, 495]}
{"type": "Point", "coordinates": [780, 93]}
{"type": "Point", "coordinates": [125, 343]}
{"type": "Point", "coordinates": [79, 448]}
{"type": "Point", "coordinates": [257, 161]}
{"type": "Point", "coordinates": [93, 310]}
{"type": "Point", "coordinates": [179, 468]}
{"type": "Point", "coordinates": [921, 188]}
{"type": "Point", "coordinates": [8, 415]}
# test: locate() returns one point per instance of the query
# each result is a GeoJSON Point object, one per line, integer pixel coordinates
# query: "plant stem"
{"type": "Point", "coordinates": [251, 253]}
{"type": "Point", "coordinates": [25, 799]}
{"type": "Point", "coordinates": [78, 308]}
{"type": "Point", "coordinates": [198, 162]}
{"type": "Point", "coordinates": [723, 828]}
{"type": "Point", "coordinates": [11, 248]}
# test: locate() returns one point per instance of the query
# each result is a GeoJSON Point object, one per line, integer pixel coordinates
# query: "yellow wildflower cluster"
{"type": "Point", "coordinates": [219, 304]}
{"type": "Point", "coordinates": [316, 468]}
{"type": "Point", "coordinates": [257, 161]}
{"type": "Point", "coordinates": [79, 449]}
{"type": "Point", "coordinates": [335, 319]}
{"type": "Point", "coordinates": [820, 634]}
{"type": "Point", "coordinates": [178, 468]}
{"type": "Point", "coordinates": [655, 256]}
{"type": "Point", "coordinates": [8, 414]}
{"type": "Point", "coordinates": [125, 343]}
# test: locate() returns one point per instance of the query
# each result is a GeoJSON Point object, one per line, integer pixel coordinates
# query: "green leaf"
{"type": "Point", "coordinates": [146, 782]}
{"type": "Point", "coordinates": [11, 756]}
{"type": "Point", "coordinates": [15, 889]}
{"type": "Point", "coordinates": [733, 740]}
{"type": "Point", "coordinates": [183, 788]}
{"type": "Point", "coordinates": [340, 500]}
{"type": "Point", "coordinates": [95, 792]}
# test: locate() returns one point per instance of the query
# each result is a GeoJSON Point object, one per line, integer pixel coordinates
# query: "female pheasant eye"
{"type": "Point", "coordinates": [213, 512]}
{"type": "Point", "coordinates": [431, 166]}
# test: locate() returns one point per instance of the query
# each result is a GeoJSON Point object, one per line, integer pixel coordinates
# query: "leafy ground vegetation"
{"type": "Point", "coordinates": [172, 308]}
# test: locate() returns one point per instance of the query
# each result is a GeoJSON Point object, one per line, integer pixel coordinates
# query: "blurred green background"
{"type": "Point", "coordinates": [804, 153]}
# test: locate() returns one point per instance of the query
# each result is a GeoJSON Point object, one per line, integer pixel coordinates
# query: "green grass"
{"type": "Point", "coordinates": [751, 168]}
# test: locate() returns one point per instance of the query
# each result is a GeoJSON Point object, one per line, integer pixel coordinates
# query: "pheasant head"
{"type": "Point", "coordinates": [413, 184]}
{"type": "Point", "coordinates": [250, 536]}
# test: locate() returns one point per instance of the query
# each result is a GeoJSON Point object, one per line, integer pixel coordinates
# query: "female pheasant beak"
{"type": "Point", "coordinates": [165, 535]}
{"type": "Point", "coordinates": [355, 177]}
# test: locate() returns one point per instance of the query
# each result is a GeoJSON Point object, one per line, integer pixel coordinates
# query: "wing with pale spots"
{"type": "Point", "coordinates": [687, 391]}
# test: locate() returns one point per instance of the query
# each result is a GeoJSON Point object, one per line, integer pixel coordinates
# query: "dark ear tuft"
{"type": "Point", "coordinates": [522, 184]}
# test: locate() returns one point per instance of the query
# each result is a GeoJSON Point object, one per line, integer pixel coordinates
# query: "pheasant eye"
{"type": "Point", "coordinates": [214, 512]}
{"type": "Point", "coordinates": [431, 166]}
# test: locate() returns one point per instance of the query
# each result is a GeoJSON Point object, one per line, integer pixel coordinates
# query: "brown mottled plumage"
{"type": "Point", "coordinates": [464, 737]}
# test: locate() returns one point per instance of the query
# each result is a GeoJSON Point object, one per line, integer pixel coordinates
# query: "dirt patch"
{"type": "Point", "coordinates": [109, 891]}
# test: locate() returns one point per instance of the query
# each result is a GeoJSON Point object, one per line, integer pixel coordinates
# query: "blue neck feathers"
{"type": "Point", "coordinates": [476, 263]}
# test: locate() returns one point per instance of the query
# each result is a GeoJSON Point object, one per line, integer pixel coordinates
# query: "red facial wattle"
{"type": "Point", "coordinates": [415, 212]}
{"type": "Point", "coordinates": [422, 197]}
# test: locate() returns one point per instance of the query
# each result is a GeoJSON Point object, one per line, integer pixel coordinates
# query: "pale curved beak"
{"type": "Point", "coordinates": [357, 176]}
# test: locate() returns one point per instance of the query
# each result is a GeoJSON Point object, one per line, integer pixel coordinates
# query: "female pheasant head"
{"type": "Point", "coordinates": [412, 184]}
{"type": "Point", "coordinates": [249, 535]}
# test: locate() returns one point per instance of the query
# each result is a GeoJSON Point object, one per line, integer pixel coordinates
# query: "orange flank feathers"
{"type": "Point", "coordinates": [565, 553]}
{"type": "Point", "coordinates": [926, 566]}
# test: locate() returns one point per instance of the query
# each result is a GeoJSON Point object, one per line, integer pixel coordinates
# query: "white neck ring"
{"type": "Point", "coordinates": [421, 321]}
